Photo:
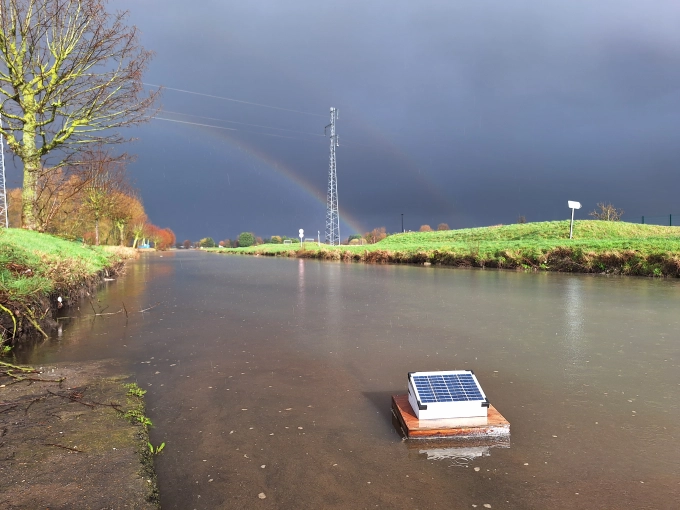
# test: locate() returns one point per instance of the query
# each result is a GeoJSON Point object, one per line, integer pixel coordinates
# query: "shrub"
{"type": "Point", "coordinates": [607, 212]}
{"type": "Point", "coordinates": [425, 228]}
{"type": "Point", "coordinates": [375, 235]}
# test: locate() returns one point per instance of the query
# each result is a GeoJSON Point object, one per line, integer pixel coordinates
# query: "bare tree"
{"type": "Point", "coordinates": [425, 228]}
{"type": "Point", "coordinates": [607, 212]}
{"type": "Point", "coordinates": [443, 226]}
{"type": "Point", "coordinates": [106, 182]}
{"type": "Point", "coordinates": [70, 74]}
{"type": "Point", "coordinates": [56, 195]}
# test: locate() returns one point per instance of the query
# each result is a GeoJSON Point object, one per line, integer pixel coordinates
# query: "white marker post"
{"type": "Point", "coordinates": [572, 206]}
{"type": "Point", "coordinates": [302, 234]}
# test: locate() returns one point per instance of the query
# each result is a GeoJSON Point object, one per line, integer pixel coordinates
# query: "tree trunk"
{"type": "Point", "coordinates": [96, 231]}
{"type": "Point", "coordinates": [121, 228]}
{"type": "Point", "coordinates": [28, 194]}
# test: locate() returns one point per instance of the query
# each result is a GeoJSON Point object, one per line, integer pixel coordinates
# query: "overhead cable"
{"type": "Point", "coordinates": [195, 123]}
{"type": "Point", "coordinates": [234, 100]}
{"type": "Point", "coordinates": [244, 124]}
{"type": "Point", "coordinates": [231, 129]}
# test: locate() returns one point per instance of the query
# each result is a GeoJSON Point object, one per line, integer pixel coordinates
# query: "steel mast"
{"type": "Point", "coordinates": [332, 215]}
{"type": "Point", "coordinates": [4, 217]}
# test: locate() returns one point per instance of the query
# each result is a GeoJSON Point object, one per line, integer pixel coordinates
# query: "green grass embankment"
{"type": "Point", "coordinates": [597, 247]}
{"type": "Point", "coordinates": [35, 266]}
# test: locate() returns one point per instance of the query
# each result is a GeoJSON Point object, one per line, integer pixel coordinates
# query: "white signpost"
{"type": "Point", "coordinates": [302, 234]}
{"type": "Point", "coordinates": [572, 206]}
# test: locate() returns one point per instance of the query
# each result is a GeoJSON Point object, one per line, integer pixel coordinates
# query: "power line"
{"type": "Point", "coordinates": [195, 124]}
{"type": "Point", "coordinates": [351, 142]}
{"type": "Point", "coordinates": [234, 100]}
{"type": "Point", "coordinates": [231, 129]}
{"type": "Point", "coordinates": [243, 123]}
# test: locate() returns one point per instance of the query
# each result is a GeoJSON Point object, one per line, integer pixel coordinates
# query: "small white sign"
{"type": "Point", "coordinates": [574, 205]}
{"type": "Point", "coordinates": [302, 234]}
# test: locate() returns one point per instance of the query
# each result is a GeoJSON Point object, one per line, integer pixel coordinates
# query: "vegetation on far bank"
{"type": "Point", "coordinates": [35, 266]}
{"type": "Point", "coordinates": [597, 247]}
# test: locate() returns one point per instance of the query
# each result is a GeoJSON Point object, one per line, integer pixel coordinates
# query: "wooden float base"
{"type": "Point", "coordinates": [413, 428]}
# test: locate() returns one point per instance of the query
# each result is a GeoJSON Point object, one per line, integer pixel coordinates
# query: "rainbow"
{"type": "Point", "coordinates": [346, 220]}
{"type": "Point", "coordinates": [376, 136]}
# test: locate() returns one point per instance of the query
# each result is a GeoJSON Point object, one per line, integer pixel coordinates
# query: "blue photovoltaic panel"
{"type": "Point", "coordinates": [446, 388]}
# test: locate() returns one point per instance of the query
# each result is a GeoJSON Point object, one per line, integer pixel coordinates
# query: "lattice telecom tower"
{"type": "Point", "coordinates": [4, 218]}
{"type": "Point", "coordinates": [332, 215]}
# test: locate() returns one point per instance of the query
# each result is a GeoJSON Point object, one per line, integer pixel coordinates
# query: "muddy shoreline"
{"type": "Point", "coordinates": [35, 321]}
{"type": "Point", "coordinates": [66, 442]}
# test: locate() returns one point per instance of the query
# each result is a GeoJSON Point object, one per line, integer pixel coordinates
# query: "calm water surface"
{"type": "Point", "coordinates": [273, 377]}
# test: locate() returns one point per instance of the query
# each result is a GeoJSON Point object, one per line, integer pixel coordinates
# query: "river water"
{"type": "Point", "coordinates": [269, 380]}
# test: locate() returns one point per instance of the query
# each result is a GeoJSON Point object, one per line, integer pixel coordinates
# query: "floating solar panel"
{"type": "Point", "coordinates": [446, 394]}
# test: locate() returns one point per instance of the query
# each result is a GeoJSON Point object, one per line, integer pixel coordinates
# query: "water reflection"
{"type": "Point", "coordinates": [333, 290]}
{"type": "Point", "coordinates": [301, 286]}
{"type": "Point", "coordinates": [460, 451]}
{"type": "Point", "coordinates": [237, 383]}
{"type": "Point", "coordinates": [461, 455]}
{"type": "Point", "coordinates": [97, 325]}
{"type": "Point", "coordinates": [574, 318]}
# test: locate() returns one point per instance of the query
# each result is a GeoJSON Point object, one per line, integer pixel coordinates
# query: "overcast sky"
{"type": "Point", "coordinates": [465, 112]}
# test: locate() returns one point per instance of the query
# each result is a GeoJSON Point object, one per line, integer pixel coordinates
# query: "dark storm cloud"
{"type": "Point", "coordinates": [464, 112]}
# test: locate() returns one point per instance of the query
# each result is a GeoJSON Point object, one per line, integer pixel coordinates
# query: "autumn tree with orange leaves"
{"type": "Point", "coordinates": [105, 181]}
{"type": "Point", "coordinates": [167, 239]}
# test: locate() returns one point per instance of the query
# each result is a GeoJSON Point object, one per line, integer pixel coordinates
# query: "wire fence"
{"type": "Point", "coordinates": [671, 220]}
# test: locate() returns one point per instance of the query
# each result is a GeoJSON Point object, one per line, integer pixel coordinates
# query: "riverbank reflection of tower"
{"type": "Point", "coordinates": [332, 215]}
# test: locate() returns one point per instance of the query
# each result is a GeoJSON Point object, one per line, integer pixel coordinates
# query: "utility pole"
{"type": "Point", "coordinates": [332, 215]}
{"type": "Point", "coordinates": [4, 217]}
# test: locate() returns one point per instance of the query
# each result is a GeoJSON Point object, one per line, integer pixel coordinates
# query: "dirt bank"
{"type": "Point", "coordinates": [65, 441]}
{"type": "Point", "coordinates": [29, 321]}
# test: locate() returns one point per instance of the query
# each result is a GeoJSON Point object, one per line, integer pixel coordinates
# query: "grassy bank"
{"type": "Point", "coordinates": [597, 247]}
{"type": "Point", "coordinates": [35, 268]}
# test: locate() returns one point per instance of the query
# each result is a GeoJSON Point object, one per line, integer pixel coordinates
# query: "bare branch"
{"type": "Point", "coordinates": [70, 74]}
